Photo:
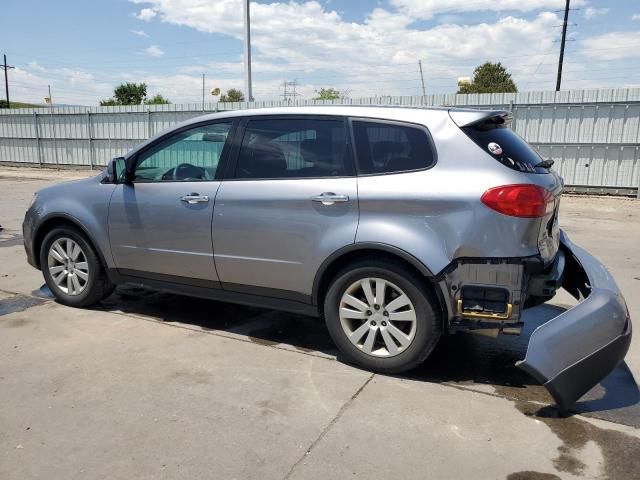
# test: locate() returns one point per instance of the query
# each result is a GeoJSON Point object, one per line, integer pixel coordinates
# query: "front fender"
{"type": "Point", "coordinates": [84, 203]}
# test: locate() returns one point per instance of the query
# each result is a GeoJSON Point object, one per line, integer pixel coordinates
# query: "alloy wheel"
{"type": "Point", "coordinates": [378, 317]}
{"type": "Point", "coordinates": [68, 266]}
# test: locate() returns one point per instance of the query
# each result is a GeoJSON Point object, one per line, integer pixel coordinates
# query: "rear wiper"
{"type": "Point", "coordinates": [546, 164]}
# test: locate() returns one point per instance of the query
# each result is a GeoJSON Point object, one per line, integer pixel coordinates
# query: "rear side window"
{"type": "Point", "coordinates": [391, 148]}
{"type": "Point", "coordinates": [506, 146]}
{"type": "Point", "coordinates": [294, 148]}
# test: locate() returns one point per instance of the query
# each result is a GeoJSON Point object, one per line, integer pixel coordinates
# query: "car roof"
{"type": "Point", "coordinates": [372, 111]}
{"type": "Point", "coordinates": [414, 114]}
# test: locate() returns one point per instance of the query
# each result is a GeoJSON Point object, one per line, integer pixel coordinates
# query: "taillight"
{"type": "Point", "coordinates": [525, 201]}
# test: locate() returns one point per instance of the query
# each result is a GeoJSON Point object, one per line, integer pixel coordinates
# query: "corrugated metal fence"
{"type": "Point", "coordinates": [593, 135]}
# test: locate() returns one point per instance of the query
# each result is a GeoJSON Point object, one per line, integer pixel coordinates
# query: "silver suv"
{"type": "Point", "coordinates": [396, 225]}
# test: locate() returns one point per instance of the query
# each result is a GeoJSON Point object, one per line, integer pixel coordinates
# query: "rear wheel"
{"type": "Point", "coordinates": [72, 269]}
{"type": "Point", "coordinates": [382, 316]}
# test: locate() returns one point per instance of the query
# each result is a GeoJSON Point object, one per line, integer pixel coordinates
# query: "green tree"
{"type": "Point", "coordinates": [232, 95]}
{"type": "Point", "coordinates": [156, 100]}
{"type": "Point", "coordinates": [111, 102]}
{"type": "Point", "coordinates": [127, 94]}
{"type": "Point", "coordinates": [327, 94]}
{"type": "Point", "coordinates": [489, 78]}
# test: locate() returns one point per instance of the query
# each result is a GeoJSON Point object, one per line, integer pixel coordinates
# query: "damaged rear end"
{"type": "Point", "coordinates": [575, 350]}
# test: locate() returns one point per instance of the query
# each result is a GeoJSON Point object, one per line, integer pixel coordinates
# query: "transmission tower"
{"type": "Point", "coordinates": [289, 90]}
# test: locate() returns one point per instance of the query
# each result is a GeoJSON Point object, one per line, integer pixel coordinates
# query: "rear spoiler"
{"type": "Point", "coordinates": [470, 117]}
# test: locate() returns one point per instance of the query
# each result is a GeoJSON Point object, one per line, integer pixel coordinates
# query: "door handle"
{"type": "Point", "coordinates": [329, 198]}
{"type": "Point", "coordinates": [194, 198]}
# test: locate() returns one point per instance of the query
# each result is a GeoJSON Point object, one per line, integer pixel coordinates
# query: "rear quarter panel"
{"type": "Point", "coordinates": [436, 214]}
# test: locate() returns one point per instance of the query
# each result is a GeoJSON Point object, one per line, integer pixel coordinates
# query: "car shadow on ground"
{"type": "Point", "coordinates": [262, 326]}
{"type": "Point", "coordinates": [463, 359]}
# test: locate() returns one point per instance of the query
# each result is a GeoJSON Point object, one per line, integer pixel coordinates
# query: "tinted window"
{"type": "Point", "coordinates": [389, 148]}
{"type": "Point", "coordinates": [295, 148]}
{"type": "Point", "coordinates": [506, 146]}
{"type": "Point", "coordinates": [190, 155]}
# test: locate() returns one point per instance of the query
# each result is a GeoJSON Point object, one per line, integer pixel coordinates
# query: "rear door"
{"type": "Point", "coordinates": [160, 223]}
{"type": "Point", "coordinates": [291, 201]}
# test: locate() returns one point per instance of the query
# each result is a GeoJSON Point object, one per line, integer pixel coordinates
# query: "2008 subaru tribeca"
{"type": "Point", "coordinates": [396, 225]}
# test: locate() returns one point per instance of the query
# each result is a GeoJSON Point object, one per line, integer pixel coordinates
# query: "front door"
{"type": "Point", "coordinates": [160, 223]}
{"type": "Point", "coordinates": [291, 202]}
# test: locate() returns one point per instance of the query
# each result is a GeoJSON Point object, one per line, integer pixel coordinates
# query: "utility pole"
{"type": "Point", "coordinates": [247, 52]}
{"type": "Point", "coordinates": [50, 98]}
{"type": "Point", "coordinates": [6, 79]}
{"type": "Point", "coordinates": [424, 91]}
{"type": "Point", "coordinates": [203, 92]}
{"type": "Point", "coordinates": [562, 42]}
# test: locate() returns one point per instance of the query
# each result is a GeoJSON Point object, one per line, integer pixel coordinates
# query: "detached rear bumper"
{"type": "Point", "coordinates": [575, 350]}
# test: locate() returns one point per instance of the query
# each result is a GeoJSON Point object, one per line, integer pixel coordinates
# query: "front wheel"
{"type": "Point", "coordinates": [72, 269]}
{"type": "Point", "coordinates": [382, 316]}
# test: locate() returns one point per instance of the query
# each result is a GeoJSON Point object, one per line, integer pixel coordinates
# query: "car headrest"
{"type": "Point", "coordinates": [384, 149]}
{"type": "Point", "coordinates": [313, 150]}
{"type": "Point", "coordinates": [265, 161]}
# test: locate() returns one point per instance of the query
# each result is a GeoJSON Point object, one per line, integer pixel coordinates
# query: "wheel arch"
{"type": "Point", "coordinates": [58, 220]}
{"type": "Point", "coordinates": [358, 251]}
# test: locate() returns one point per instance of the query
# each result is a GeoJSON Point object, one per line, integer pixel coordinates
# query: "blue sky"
{"type": "Point", "coordinates": [364, 48]}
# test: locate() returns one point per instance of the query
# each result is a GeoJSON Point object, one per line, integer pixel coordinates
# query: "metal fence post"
{"type": "Point", "coordinates": [55, 135]}
{"type": "Point", "coordinates": [90, 140]}
{"type": "Point", "coordinates": [38, 141]}
{"type": "Point", "coordinates": [148, 123]}
{"type": "Point", "coordinates": [638, 160]}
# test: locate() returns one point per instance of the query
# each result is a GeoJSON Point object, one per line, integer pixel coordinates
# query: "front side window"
{"type": "Point", "coordinates": [188, 156]}
{"type": "Point", "coordinates": [391, 148]}
{"type": "Point", "coordinates": [294, 148]}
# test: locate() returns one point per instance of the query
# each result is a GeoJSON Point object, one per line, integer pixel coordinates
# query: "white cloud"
{"type": "Point", "coordinates": [425, 9]}
{"type": "Point", "coordinates": [146, 14]}
{"type": "Point", "coordinates": [612, 46]}
{"type": "Point", "coordinates": [153, 51]}
{"type": "Point", "coordinates": [299, 38]}
{"type": "Point", "coordinates": [68, 86]}
{"type": "Point", "coordinates": [591, 12]}
{"type": "Point", "coordinates": [635, 16]}
{"type": "Point", "coordinates": [140, 33]}
{"type": "Point", "coordinates": [314, 44]}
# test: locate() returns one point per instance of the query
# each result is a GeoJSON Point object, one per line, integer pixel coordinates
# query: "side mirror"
{"type": "Point", "coordinates": [117, 171]}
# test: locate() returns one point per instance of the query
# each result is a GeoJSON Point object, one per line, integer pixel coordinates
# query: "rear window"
{"type": "Point", "coordinates": [391, 148]}
{"type": "Point", "coordinates": [506, 146]}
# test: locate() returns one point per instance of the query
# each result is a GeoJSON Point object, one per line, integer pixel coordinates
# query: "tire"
{"type": "Point", "coordinates": [78, 292]}
{"type": "Point", "coordinates": [420, 335]}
